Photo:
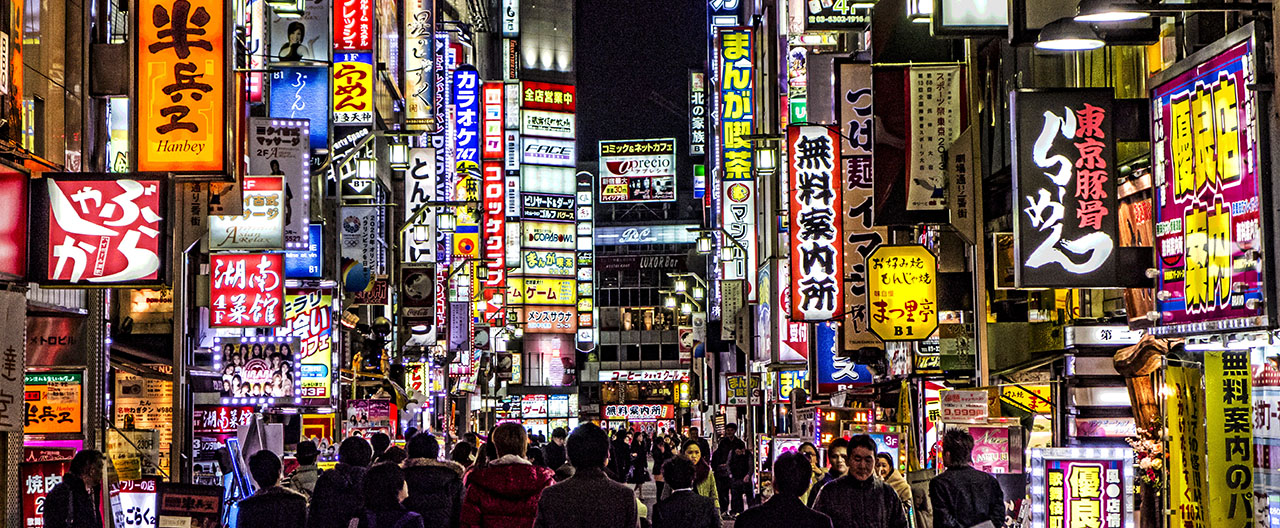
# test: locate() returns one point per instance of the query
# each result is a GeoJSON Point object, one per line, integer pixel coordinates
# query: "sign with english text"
{"type": "Point", "coordinates": [262, 224]}
{"type": "Point", "coordinates": [642, 170]}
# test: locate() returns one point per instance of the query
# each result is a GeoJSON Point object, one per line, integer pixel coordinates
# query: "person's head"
{"type": "Point", "coordinates": [559, 436]}
{"type": "Point", "coordinates": [265, 468]}
{"type": "Point", "coordinates": [791, 474]}
{"type": "Point", "coordinates": [884, 465]}
{"type": "Point", "coordinates": [88, 465]}
{"type": "Point", "coordinates": [509, 439]}
{"type": "Point", "coordinates": [809, 452]}
{"type": "Point", "coordinates": [838, 456]}
{"type": "Point", "coordinates": [587, 447]}
{"type": "Point", "coordinates": [678, 473]}
{"type": "Point", "coordinates": [862, 457]}
{"type": "Point", "coordinates": [307, 453]}
{"type": "Point", "coordinates": [380, 442]}
{"type": "Point", "coordinates": [693, 431]}
{"type": "Point", "coordinates": [384, 487]}
{"type": "Point", "coordinates": [691, 450]}
{"type": "Point", "coordinates": [355, 451]}
{"type": "Point", "coordinates": [296, 32]}
{"type": "Point", "coordinates": [731, 430]}
{"type": "Point", "coordinates": [957, 448]}
{"type": "Point", "coordinates": [471, 438]}
{"type": "Point", "coordinates": [424, 446]}
{"type": "Point", "coordinates": [409, 434]}
{"type": "Point", "coordinates": [463, 453]}
{"type": "Point", "coordinates": [395, 455]}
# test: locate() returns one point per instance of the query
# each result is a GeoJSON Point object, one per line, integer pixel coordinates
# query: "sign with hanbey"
{"type": "Point", "coordinates": [902, 292]}
{"type": "Point", "coordinates": [181, 104]}
{"type": "Point", "coordinates": [353, 88]}
{"type": "Point", "coordinates": [101, 231]}
{"type": "Point", "coordinates": [247, 290]}
{"type": "Point", "coordinates": [817, 226]}
{"type": "Point", "coordinates": [1065, 186]}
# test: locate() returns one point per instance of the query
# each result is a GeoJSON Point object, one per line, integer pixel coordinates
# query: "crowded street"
{"type": "Point", "coordinates": [643, 264]}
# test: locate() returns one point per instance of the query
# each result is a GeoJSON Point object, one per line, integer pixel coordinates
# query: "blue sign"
{"type": "Point", "coordinates": [302, 92]}
{"type": "Point", "coordinates": [306, 264]}
{"type": "Point", "coordinates": [466, 101]}
{"type": "Point", "coordinates": [835, 373]}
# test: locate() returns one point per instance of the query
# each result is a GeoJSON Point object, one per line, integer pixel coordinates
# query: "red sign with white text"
{"type": "Point", "coordinates": [104, 232]}
{"type": "Point", "coordinates": [547, 96]}
{"type": "Point", "coordinates": [492, 146]}
{"type": "Point", "coordinates": [36, 479]}
{"type": "Point", "coordinates": [352, 25]}
{"type": "Point", "coordinates": [494, 234]}
{"type": "Point", "coordinates": [247, 290]}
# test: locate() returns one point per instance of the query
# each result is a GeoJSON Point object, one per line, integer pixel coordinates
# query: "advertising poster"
{"type": "Point", "coordinates": [302, 92]}
{"type": "Point", "coordinates": [964, 406]}
{"type": "Point", "coordinates": [1229, 439]}
{"type": "Point", "coordinates": [791, 379]}
{"type": "Point", "coordinates": [309, 318]}
{"type": "Point", "coordinates": [262, 224]}
{"type": "Point", "coordinates": [1064, 180]}
{"type": "Point", "coordinates": [52, 403]}
{"type": "Point", "coordinates": [146, 403]}
{"type": "Point", "coordinates": [247, 290]}
{"type": "Point", "coordinates": [737, 392]}
{"type": "Point", "coordinates": [306, 263]}
{"type": "Point", "coordinates": [548, 235]}
{"type": "Point", "coordinates": [992, 448]}
{"type": "Point", "coordinates": [902, 293]}
{"type": "Point", "coordinates": [737, 102]}
{"type": "Point", "coordinates": [918, 113]}
{"type": "Point", "coordinates": [530, 290]}
{"type": "Point", "coordinates": [1070, 488]}
{"type": "Point", "coordinates": [281, 147]}
{"type": "Point", "coordinates": [1209, 230]}
{"type": "Point", "coordinates": [548, 207]}
{"type": "Point", "coordinates": [133, 503]}
{"type": "Point", "coordinates": [817, 227]}
{"type": "Point", "coordinates": [181, 103]}
{"type": "Point", "coordinates": [353, 80]}
{"type": "Point", "coordinates": [259, 367]}
{"type": "Point", "coordinates": [301, 38]}
{"type": "Point", "coordinates": [363, 229]}
{"type": "Point", "coordinates": [38, 480]}
{"type": "Point", "coordinates": [116, 238]}
{"type": "Point", "coordinates": [641, 170]}
{"type": "Point", "coordinates": [366, 417]}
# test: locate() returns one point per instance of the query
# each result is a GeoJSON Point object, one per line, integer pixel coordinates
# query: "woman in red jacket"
{"type": "Point", "coordinates": [504, 493]}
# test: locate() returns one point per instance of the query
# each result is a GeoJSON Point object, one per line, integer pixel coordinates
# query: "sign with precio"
{"type": "Point", "coordinates": [638, 171]}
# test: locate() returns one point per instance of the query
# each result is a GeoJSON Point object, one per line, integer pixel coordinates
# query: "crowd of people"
{"type": "Point", "coordinates": [587, 478]}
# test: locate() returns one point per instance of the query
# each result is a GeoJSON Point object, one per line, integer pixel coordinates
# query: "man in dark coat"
{"type": "Point", "coordinates": [728, 446]}
{"type": "Point", "coordinates": [683, 508]}
{"type": "Point", "coordinates": [339, 493]}
{"type": "Point", "coordinates": [435, 486]}
{"type": "Point", "coordinates": [71, 504]}
{"type": "Point", "coordinates": [963, 496]}
{"type": "Point", "coordinates": [792, 474]}
{"type": "Point", "coordinates": [272, 506]}
{"type": "Point", "coordinates": [553, 452]}
{"type": "Point", "coordinates": [860, 499]}
{"type": "Point", "coordinates": [589, 498]}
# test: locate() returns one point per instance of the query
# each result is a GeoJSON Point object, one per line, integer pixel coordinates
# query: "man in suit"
{"type": "Point", "coordinates": [589, 498]}
{"type": "Point", "coordinates": [683, 508]}
{"type": "Point", "coordinates": [273, 506]}
{"type": "Point", "coordinates": [791, 476]}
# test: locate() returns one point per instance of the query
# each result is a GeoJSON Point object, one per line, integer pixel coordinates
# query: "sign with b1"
{"type": "Point", "coordinates": [964, 406]}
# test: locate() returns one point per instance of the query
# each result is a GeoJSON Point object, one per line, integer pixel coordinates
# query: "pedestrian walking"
{"type": "Point", "coordinates": [837, 466]}
{"type": "Point", "coordinates": [71, 503]}
{"type": "Point", "coordinates": [663, 446]}
{"type": "Point", "coordinates": [888, 471]}
{"type": "Point", "coordinates": [704, 483]}
{"type": "Point", "coordinates": [273, 505]}
{"type": "Point", "coordinates": [553, 452]}
{"type": "Point", "coordinates": [504, 492]}
{"type": "Point", "coordinates": [639, 460]}
{"type": "Point", "coordinates": [810, 452]}
{"type": "Point", "coordinates": [435, 486]}
{"type": "Point", "coordinates": [339, 492]}
{"type": "Point", "coordinates": [384, 493]}
{"type": "Point", "coordinates": [589, 498]}
{"type": "Point", "coordinates": [963, 497]}
{"type": "Point", "coordinates": [684, 508]}
{"type": "Point", "coordinates": [860, 499]}
{"type": "Point", "coordinates": [792, 478]}
{"type": "Point", "coordinates": [741, 487]}
{"type": "Point", "coordinates": [620, 456]}
{"type": "Point", "coordinates": [303, 478]}
{"type": "Point", "coordinates": [728, 445]}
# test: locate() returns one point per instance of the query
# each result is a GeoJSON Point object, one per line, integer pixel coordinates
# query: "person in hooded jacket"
{"type": "Point", "coordinates": [435, 486]}
{"type": "Point", "coordinates": [339, 492]}
{"type": "Point", "coordinates": [504, 492]}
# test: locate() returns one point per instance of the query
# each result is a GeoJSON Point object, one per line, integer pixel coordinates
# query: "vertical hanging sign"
{"type": "Point", "coordinates": [1065, 185]}
{"type": "Point", "coordinates": [902, 292]}
{"type": "Point", "coordinates": [181, 102]}
{"type": "Point", "coordinates": [817, 259]}
{"type": "Point", "coordinates": [419, 65]}
{"type": "Point", "coordinates": [352, 25]}
{"type": "Point", "coordinates": [738, 201]}
{"type": "Point", "coordinates": [353, 88]}
{"type": "Point", "coordinates": [419, 188]}
{"type": "Point", "coordinates": [466, 100]}
{"type": "Point", "coordinates": [861, 237]}
{"type": "Point", "coordinates": [697, 113]}
{"type": "Point", "coordinates": [1230, 438]}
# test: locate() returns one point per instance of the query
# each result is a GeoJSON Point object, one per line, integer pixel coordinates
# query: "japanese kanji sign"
{"type": "Point", "coordinates": [494, 120]}
{"type": "Point", "coordinates": [493, 238]}
{"type": "Point", "coordinates": [1081, 487]}
{"type": "Point", "coordinates": [1205, 155]}
{"type": "Point", "coordinates": [937, 116]}
{"type": "Point", "coordinates": [639, 412]}
{"type": "Point", "coordinates": [902, 292]}
{"type": "Point", "coordinates": [52, 403]}
{"type": "Point", "coordinates": [546, 319]}
{"type": "Point", "coordinates": [737, 203]}
{"type": "Point", "coordinates": [419, 64]}
{"type": "Point", "coordinates": [247, 290]}
{"type": "Point", "coordinates": [216, 419]}
{"type": "Point", "coordinates": [302, 92]}
{"type": "Point", "coordinates": [181, 103]}
{"type": "Point", "coordinates": [1229, 424]}
{"type": "Point", "coordinates": [13, 313]}
{"type": "Point", "coordinates": [697, 113]}
{"type": "Point", "coordinates": [834, 372]}
{"type": "Point", "coordinates": [102, 231]}
{"type": "Point", "coordinates": [817, 226]}
{"type": "Point", "coordinates": [37, 480]}
{"type": "Point", "coordinates": [309, 317]}
{"type": "Point", "coordinates": [641, 170]}
{"type": "Point", "coordinates": [352, 25]}
{"type": "Point", "coordinates": [262, 224]}
{"type": "Point", "coordinates": [419, 243]}
{"type": "Point", "coordinates": [281, 147]}
{"type": "Point", "coordinates": [353, 88]}
{"type": "Point", "coordinates": [547, 96]}
{"type": "Point", "coordinates": [1186, 446]}
{"type": "Point", "coordinates": [1064, 178]}
{"type": "Point", "coordinates": [528, 290]}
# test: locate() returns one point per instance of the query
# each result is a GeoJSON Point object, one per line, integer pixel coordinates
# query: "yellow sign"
{"type": "Point", "coordinates": [353, 88]}
{"type": "Point", "coordinates": [902, 292]}
{"type": "Point", "coordinates": [1230, 438]}
{"type": "Point", "coordinates": [528, 290]}
{"type": "Point", "coordinates": [52, 403]}
{"type": "Point", "coordinates": [1185, 447]}
{"type": "Point", "coordinates": [740, 391]}
{"type": "Point", "coordinates": [181, 96]}
{"type": "Point", "coordinates": [1033, 398]}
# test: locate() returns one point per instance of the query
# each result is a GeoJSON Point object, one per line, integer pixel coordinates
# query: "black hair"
{"type": "Point", "coordinates": [380, 442]}
{"type": "Point", "coordinates": [297, 26]}
{"type": "Point", "coordinates": [840, 441]}
{"type": "Point", "coordinates": [588, 447]}
{"type": "Point", "coordinates": [559, 432]}
{"type": "Point", "coordinates": [265, 468]}
{"type": "Point", "coordinates": [958, 443]}
{"type": "Point", "coordinates": [424, 445]}
{"type": "Point", "coordinates": [886, 457]}
{"type": "Point", "coordinates": [731, 425]}
{"type": "Point", "coordinates": [863, 441]}
{"type": "Point", "coordinates": [462, 453]}
{"type": "Point", "coordinates": [84, 459]}
{"type": "Point", "coordinates": [382, 485]}
{"type": "Point", "coordinates": [791, 474]}
{"type": "Point", "coordinates": [678, 473]}
{"type": "Point", "coordinates": [394, 454]}
{"type": "Point", "coordinates": [355, 451]}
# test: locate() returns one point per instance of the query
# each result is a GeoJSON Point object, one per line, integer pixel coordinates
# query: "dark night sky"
{"type": "Point", "coordinates": [629, 55]}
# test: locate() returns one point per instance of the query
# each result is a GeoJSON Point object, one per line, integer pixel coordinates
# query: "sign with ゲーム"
{"type": "Point", "coordinates": [902, 292]}
{"type": "Point", "coordinates": [964, 406]}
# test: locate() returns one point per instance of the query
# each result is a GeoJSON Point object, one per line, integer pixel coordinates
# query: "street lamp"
{"type": "Point", "coordinates": [364, 169]}
{"type": "Point", "coordinates": [681, 285]}
{"type": "Point", "coordinates": [699, 293]}
{"type": "Point", "coordinates": [1065, 34]}
{"type": "Point", "coordinates": [670, 302]}
{"type": "Point", "coordinates": [446, 221]}
{"type": "Point", "coordinates": [686, 308]}
{"type": "Point", "coordinates": [399, 156]}
{"type": "Point", "coordinates": [704, 244]}
{"type": "Point", "coordinates": [1110, 11]}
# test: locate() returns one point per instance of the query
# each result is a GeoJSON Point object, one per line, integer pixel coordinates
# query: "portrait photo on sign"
{"type": "Point", "coordinates": [258, 369]}
{"type": "Point", "coordinates": [301, 38]}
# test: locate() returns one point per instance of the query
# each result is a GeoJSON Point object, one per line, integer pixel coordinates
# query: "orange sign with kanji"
{"type": "Point", "coordinates": [902, 292]}
{"type": "Point", "coordinates": [181, 96]}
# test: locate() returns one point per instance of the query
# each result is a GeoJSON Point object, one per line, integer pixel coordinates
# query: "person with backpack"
{"type": "Point", "coordinates": [384, 492]}
{"type": "Point", "coordinates": [339, 492]}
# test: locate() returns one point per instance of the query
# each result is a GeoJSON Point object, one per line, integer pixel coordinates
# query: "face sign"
{"type": "Point", "coordinates": [861, 462]}
{"type": "Point", "coordinates": [883, 468]}
{"type": "Point", "coordinates": [838, 460]}
{"type": "Point", "coordinates": [693, 453]}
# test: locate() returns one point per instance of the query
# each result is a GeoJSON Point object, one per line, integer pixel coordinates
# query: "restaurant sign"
{"type": "Point", "coordinates": [902, 292]}
{"type": "Point", "coordinates": [1077, 487]}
